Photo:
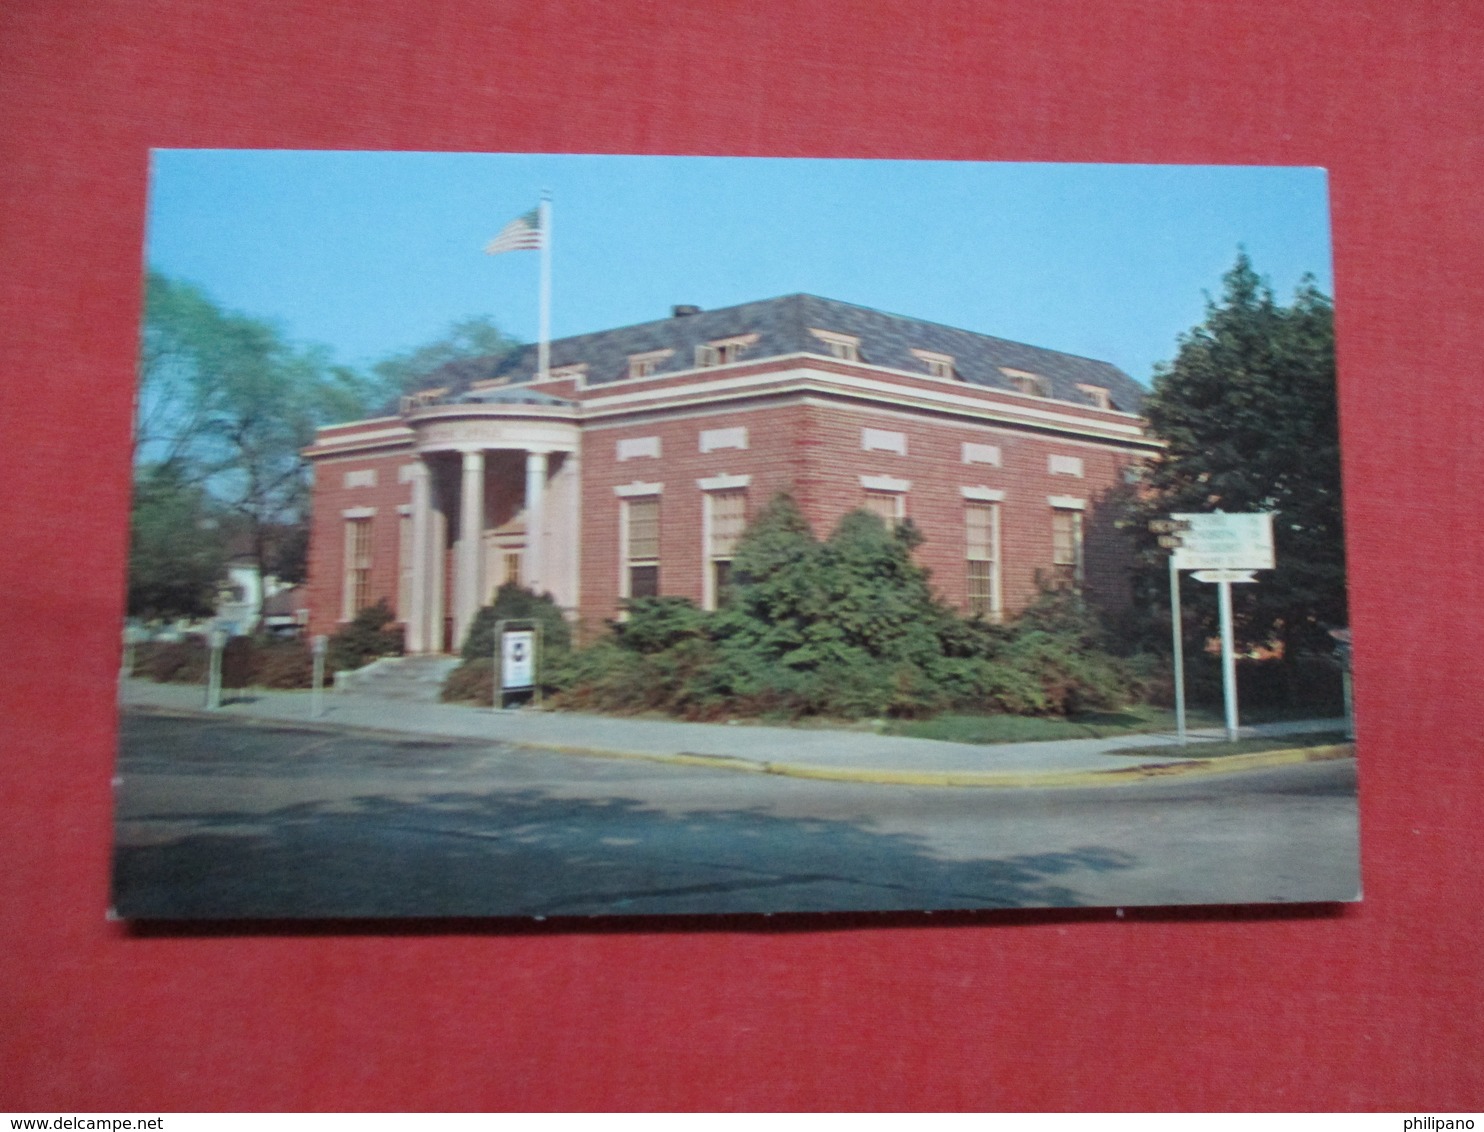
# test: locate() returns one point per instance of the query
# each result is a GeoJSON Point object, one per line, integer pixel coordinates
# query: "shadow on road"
{"type": "Point", "coordinates": [528, 852]}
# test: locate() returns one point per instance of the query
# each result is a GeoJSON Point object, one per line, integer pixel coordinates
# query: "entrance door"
{"type": "Point", "coordinates": [504, 562]}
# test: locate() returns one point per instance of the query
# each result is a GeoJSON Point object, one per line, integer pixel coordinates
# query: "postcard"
{"type": "Point", "coordinates": [528, 535]}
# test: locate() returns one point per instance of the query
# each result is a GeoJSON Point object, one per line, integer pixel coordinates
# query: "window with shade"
{"type": "Point", "coordinates": [726, 519]}
{"type": "Point", "coordinates": [357, 566]}
{"type": "Point", "coordinates": [642, 547]}
{"type": "Point", "coordinates": [982, 527]}
{"type": "Point", "coordinates": [1066, 548]}
{"type": "Point", "coordinates": [891, 506]}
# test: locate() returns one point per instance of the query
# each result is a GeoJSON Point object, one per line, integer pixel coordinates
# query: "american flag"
{"type": "Point", "coordinates": [523, 234]}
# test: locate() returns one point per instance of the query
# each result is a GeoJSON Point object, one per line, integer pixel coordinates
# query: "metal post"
{"type": "Point", "coordinates": [1177, 624]}
{"type": "Point", "coordinates": [536, 667]}
{"type": "Point", "coordinates": [217, 641]}
{"type": "Point", "coordinates": [499, 700]}
{"type": "Point", "coordinates": [317, 688]}
{"type": "Point", "coordinates": [1349, 703]}
{"type": "Point", "coordinates": [1228, 659]}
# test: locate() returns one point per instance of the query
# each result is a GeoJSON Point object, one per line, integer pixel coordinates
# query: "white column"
{"type": "Point", "coordinates": [437, 570]}
{"type": "Point", "coordinates": [468, 585]}
{"type": "Point", "coordinates": [420, 637]}
{"type": "Point", "coordinates": [536, 521]}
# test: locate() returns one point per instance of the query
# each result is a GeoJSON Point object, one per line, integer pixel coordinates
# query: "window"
{"type": "Point", "coordinates": [1096, 396]}
{"type": "Point", "coordinates": [1029, 383]}
{"type": "Point", "coordinates": [643, 365]}
{"type": "Point", "coordinates": [576, 372]}
{"type": "Point", "coordinates": [891, 506]}
{"type": "Point", "coordinates": [938, 365]}
{"type": "Point", "coordinates": [1064, 465]}
{"type": "Point", "coordinates": [641, 547]}
{"type": "Point", "coordinates": [846, 347]}
{"type": "Point", "coordinates": [1066, 549]}
{"type": "Point", "coordinates": [422, 398]}
{"type": "Point", "coordinates": [510, 561]}
{"type": "Point", "coordinates": [982, 526]}
{"type": "Point", "coordinates": [723, 351]}
{"type": "Point", "coordinates": [357, 566]}
{"type": "Point", "coordinates": [726, 517]}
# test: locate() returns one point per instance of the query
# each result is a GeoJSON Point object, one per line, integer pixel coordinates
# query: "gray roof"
{"type": "Point", "coordinates": [783, 326]}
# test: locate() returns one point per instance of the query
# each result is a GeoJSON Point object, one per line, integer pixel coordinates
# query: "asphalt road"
{"type": "Point", "coordinates": [223, 819]}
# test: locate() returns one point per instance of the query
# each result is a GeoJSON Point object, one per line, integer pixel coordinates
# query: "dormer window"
{"type": "Point", "coordinates": [422, 398]}
{"type": "Point", "coordinates": [642, 365]}
{"type": "Point", "coordinates": [576, 372]}
{"type": "Point", "coordinates": [723, 351]}
{"type": "Point", "coordinates": [1096, 395]}
{"type": "Point", "coordinates": [846, 347]}
{"type": "Point", "coordinates": [938, 365]}
{"type": "Point", "coordinates": [1031, 384]}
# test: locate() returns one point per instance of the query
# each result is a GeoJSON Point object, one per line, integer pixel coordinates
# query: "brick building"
{"type": "Point", "coordinates": [633, 466]}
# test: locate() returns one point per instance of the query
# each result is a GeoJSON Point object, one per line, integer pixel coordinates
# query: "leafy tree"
{"type": "Point", "coordinates": [1248, 412]}
{"type": "Point", "coordinates": [177, 554]}
{"type": "Point", "coordinates": [468, 339]}
{"type": "Point", "coordinates": [227, 404]}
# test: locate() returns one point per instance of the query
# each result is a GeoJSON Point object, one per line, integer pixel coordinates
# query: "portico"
{"type": "Point", "coordinates": [494, 498]}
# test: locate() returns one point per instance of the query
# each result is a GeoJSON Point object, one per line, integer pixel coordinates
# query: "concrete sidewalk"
{"type": "Point", "coordinates": [846, 755]}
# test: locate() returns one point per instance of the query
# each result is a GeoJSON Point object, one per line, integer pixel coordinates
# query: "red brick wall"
{"type": "Point", "coordinates": [327, 531]}
{"type": "Point", "coordinates": [934, 466]}
{"type": "Point", "coordinates": [774, 458]}
{"type": "Point", "coordinates": [815, 452]}
{"type": "Point", "coordinates": [810, 448]}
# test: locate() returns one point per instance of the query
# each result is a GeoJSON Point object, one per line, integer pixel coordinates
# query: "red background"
{"type": "Point", "coordinates": [1376, 1005]}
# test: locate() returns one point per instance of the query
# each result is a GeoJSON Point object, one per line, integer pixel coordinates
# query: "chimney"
{"type": "Point", "coordinates": [682, 310]}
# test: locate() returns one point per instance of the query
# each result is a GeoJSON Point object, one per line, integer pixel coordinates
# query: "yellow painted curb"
{"type": "Point", "coordinates": [1120, 776]}
{"type": "Point", "coordinates": [1004, 780]}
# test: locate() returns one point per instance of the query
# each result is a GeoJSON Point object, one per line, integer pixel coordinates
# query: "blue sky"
{"type": "Point", "coordinates": [374, 253]}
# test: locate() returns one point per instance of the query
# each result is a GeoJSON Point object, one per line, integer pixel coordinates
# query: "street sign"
{"type": "Point", "coordinates": [1224, 576]}
{"type": "Point", "coordinates": [1221, 541]}
{"type": "Point", "coordinates": [517, 652]}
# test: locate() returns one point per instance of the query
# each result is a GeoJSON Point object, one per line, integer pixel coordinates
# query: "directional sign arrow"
{"type": "Point", "coordinates": [1223, 576]}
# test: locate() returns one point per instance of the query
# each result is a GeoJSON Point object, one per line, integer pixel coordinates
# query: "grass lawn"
{"type": "Point", "coordinates": [1135, 720]}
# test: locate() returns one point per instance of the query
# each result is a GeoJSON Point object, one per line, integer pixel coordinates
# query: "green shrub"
{"type": "Point", "coordinates": [849, 627]}
{"type": "Point", "coordinates": [237, 662]}
{"type": "Point", "coordinates": [472, 682]}
{"type": "Point", "coordinates": [513, 603]}
{"type": "Point", "coordinates": [173, 662]}
{"type": "Point", "coordinates": [369, 635]}
{"type": "Point", "coordinates": [282, 665]}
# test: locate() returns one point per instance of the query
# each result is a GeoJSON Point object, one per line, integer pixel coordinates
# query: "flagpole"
{"type": "Point", "coordinates": [543, 350]}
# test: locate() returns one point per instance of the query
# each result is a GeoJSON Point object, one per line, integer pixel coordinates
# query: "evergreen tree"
{"type": "Point", "coordinates": [1248, 412]}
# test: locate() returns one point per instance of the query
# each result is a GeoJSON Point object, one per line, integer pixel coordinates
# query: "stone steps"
{"type": "Point", "coordinates": [400, 677]}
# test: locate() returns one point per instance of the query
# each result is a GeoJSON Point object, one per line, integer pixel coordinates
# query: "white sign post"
{"type": "Point", "coordinates": [1224, 549]}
